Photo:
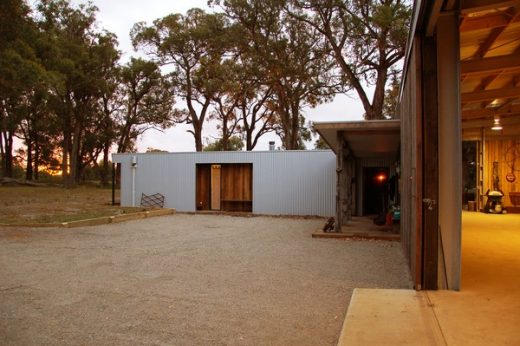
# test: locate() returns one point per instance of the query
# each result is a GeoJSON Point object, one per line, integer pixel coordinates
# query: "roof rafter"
{"type": "Point", "coordinates": [485, 22]}
{"type": "Point", "coordinates": [484, 95]}
{"type": "Point", "coordinates": [468, 6]}
{"type": "Point", "coordinates": [490, 65]}
{"type": "Point", "coordinates": [489, 113]}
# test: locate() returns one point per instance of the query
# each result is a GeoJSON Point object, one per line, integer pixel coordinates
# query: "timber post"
{"type": "Point", "coordinates": [344, 171]}
{"type": "Point", "coordinates": [339, 182]}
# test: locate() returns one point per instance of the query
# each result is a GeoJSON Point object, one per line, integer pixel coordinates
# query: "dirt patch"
{"type": "Point", "coordinates": [186, 280]}
{"type": "Point", "coordinates": [45, 204]}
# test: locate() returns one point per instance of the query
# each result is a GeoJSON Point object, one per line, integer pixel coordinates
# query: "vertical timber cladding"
{"type": "Point", "coordinates": [430, 165]}
{"type": "Point", "coordinates": [227, 187]}
{"type": "Point", "coordinates": [215, 186]}
{"type": "Point", "coordinates": [237, 187]}
{"type": "Point", "coordinates": [410, 183]}
{"type": "Point", "coordinates": [203, 187]}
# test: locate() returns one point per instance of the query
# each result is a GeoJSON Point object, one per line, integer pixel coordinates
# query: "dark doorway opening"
{"type": "Point", "coordinates": [375, 184]}
{"type": "Point", "coordinates": [227, 187]}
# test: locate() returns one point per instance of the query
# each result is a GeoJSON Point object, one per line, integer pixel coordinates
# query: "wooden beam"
{"type": "Point", "coordinates": [484, 83]}
{"type": "Point", "coordinates": [484, 95]}
{"type": "Point", "coordinates": [489, 41]}
{"type": "Point", "coordinates": [484, 22]}
{"type": "Point", "coordinates": [495, 34]}
{"type": "Point", "coordinates": [489, 113]}
{"type": "Point", "coordinates": [490, 65]}
{"type": "Point", "coordinates": [468, 6]}
{"type": "Point", "coordinates": [513, 121]}
{"type": "Point", "coordinates": [434, 17]}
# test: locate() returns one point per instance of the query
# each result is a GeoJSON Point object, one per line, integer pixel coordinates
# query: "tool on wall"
{"type": "Point", "coordinates": [511, 155]}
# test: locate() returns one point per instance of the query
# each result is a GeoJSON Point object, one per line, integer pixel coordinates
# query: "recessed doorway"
{"type": "Point", "coordinates": [226, 187]}
{"type": "Point", "coordinates": [375, 181]}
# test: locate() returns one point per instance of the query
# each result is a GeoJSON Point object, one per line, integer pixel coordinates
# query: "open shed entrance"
{"type": "Point", "coordinates": [226, 187]}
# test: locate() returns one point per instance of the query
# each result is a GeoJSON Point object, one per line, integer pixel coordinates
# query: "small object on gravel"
{"type": "Point", "coordinates": [329, 225]}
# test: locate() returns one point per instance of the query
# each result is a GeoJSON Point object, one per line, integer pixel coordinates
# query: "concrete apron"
{"type": "Point", "coordinates": [390, 317]}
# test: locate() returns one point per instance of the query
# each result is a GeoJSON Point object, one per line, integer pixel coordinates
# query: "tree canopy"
{"type": "Point", "coordinates": [250, 67]}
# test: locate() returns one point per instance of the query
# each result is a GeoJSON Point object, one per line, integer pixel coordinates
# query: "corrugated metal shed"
{"type": "Point", "coordinates": [284, 182]}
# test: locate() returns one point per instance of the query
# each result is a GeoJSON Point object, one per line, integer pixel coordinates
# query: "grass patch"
{"type": "Point", "coordinates": [28, 204]}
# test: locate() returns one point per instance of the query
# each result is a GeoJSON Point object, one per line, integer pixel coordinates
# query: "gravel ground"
{"type": "Point", "coordinates": [186, 280]}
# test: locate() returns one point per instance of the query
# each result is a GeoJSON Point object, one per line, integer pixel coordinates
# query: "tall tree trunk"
{"type": "Point", "coordinates": [36, 158]}
{"type": "Point", "coordinates": [8, 154]}
{"type": "Point", "coordinates": [295, 126]}
{"type": "Point", "coordinates": [65, 152]}
{"type": "Point", "coordinates": [249, 140]}
{"type": "Point", "coordinates": [2, 154]}
{"type": "Point", "coordinates": [29, 167]}
{"type": "Point", "coordinates": [225, 134]}
{"type": "Point", "coordinates": [104, 170]}
{"type": "Point", "coordinates": [197, 133]}
{"type": "Point", "coordinates": [74, 158]}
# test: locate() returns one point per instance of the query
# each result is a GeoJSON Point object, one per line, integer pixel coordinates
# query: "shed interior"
{"type": "Point", "coordinates": [225, 187]}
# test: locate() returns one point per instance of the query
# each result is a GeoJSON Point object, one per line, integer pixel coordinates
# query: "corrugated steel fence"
{"type": "Point", "coordinates": [284, 182]}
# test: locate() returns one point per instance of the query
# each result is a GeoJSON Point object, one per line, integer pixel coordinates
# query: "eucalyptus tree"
{"type": "Point", "coordinates": [240, 104]}
{"type": "Point", "coordinates": [147, 102]}
{"type": "Point", "coordinates": [81, 55]}
{"type": "Point", "coordinates": [293, 60]}
{"type": "Point", "coordinates": [367, 39]}
{"type": "Point", "coordinates": [191, 45]}
{"type": "Point", "coordinates": [21, 73]}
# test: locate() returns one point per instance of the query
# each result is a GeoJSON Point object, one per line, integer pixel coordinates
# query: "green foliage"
{"type": "Point", "coordinates": [320, 144]}
{"type": "Point", "coordinates": [194, 46]}
{"type": "Point", "coordinates": [235, 143]}
{"type": "Point", "coordinates": [392, 97]}
{"type": "Point", "coordinates": [293, 61]}
{"type": "Point", "coordinates": [147, 102]}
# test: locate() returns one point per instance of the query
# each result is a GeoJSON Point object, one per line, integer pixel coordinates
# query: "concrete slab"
{"type": "Point", "coordinates": [485, 312]}
{"type": "Point", "coordinates": [390, 317]}
{"type": "Point", "coordinates": [487, 309]}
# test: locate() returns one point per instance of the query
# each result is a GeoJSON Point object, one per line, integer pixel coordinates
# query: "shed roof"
{"type": "Point", "coordinates": [366, 139]}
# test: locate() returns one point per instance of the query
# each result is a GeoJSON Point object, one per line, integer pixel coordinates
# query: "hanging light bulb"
{"type": "Point", "coordinates": [496, 124]}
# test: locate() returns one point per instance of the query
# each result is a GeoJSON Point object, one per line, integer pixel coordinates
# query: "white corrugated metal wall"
{"type": "Point", "coordinates": [284, 182]}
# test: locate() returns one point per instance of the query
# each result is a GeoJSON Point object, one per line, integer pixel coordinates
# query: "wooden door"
{"type": "Point", "coordinates": [203, 187]}
{"type": "Point", "coordinates": [215, 187]}
{"type": "Point", "coordinates": [237, 187]}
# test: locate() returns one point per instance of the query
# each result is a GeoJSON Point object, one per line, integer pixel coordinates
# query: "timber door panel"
{"type": "Point", "coordinates": [203, 187]}
{"type": "Point", "coordinates": [237, 187]}
{"type": "Point", "coordinates": [215, 187]}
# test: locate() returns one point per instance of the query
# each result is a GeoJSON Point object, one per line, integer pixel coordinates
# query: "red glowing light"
{"type": "Point", "coordinates": [381, 178]}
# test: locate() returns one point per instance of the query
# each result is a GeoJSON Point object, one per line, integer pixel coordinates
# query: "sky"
{"type": "Point", "coordinates": [118, 17]}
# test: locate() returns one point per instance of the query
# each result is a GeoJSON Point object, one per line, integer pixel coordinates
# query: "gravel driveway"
{"type": "Point", "coordinates": [186, 280]}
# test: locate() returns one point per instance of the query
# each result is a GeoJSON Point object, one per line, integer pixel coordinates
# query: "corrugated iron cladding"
{"type": "Point", "coordinates": [284, 182]}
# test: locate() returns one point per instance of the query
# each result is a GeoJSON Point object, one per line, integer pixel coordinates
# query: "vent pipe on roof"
{"type": "Point", "coordinates": [271, 145]}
